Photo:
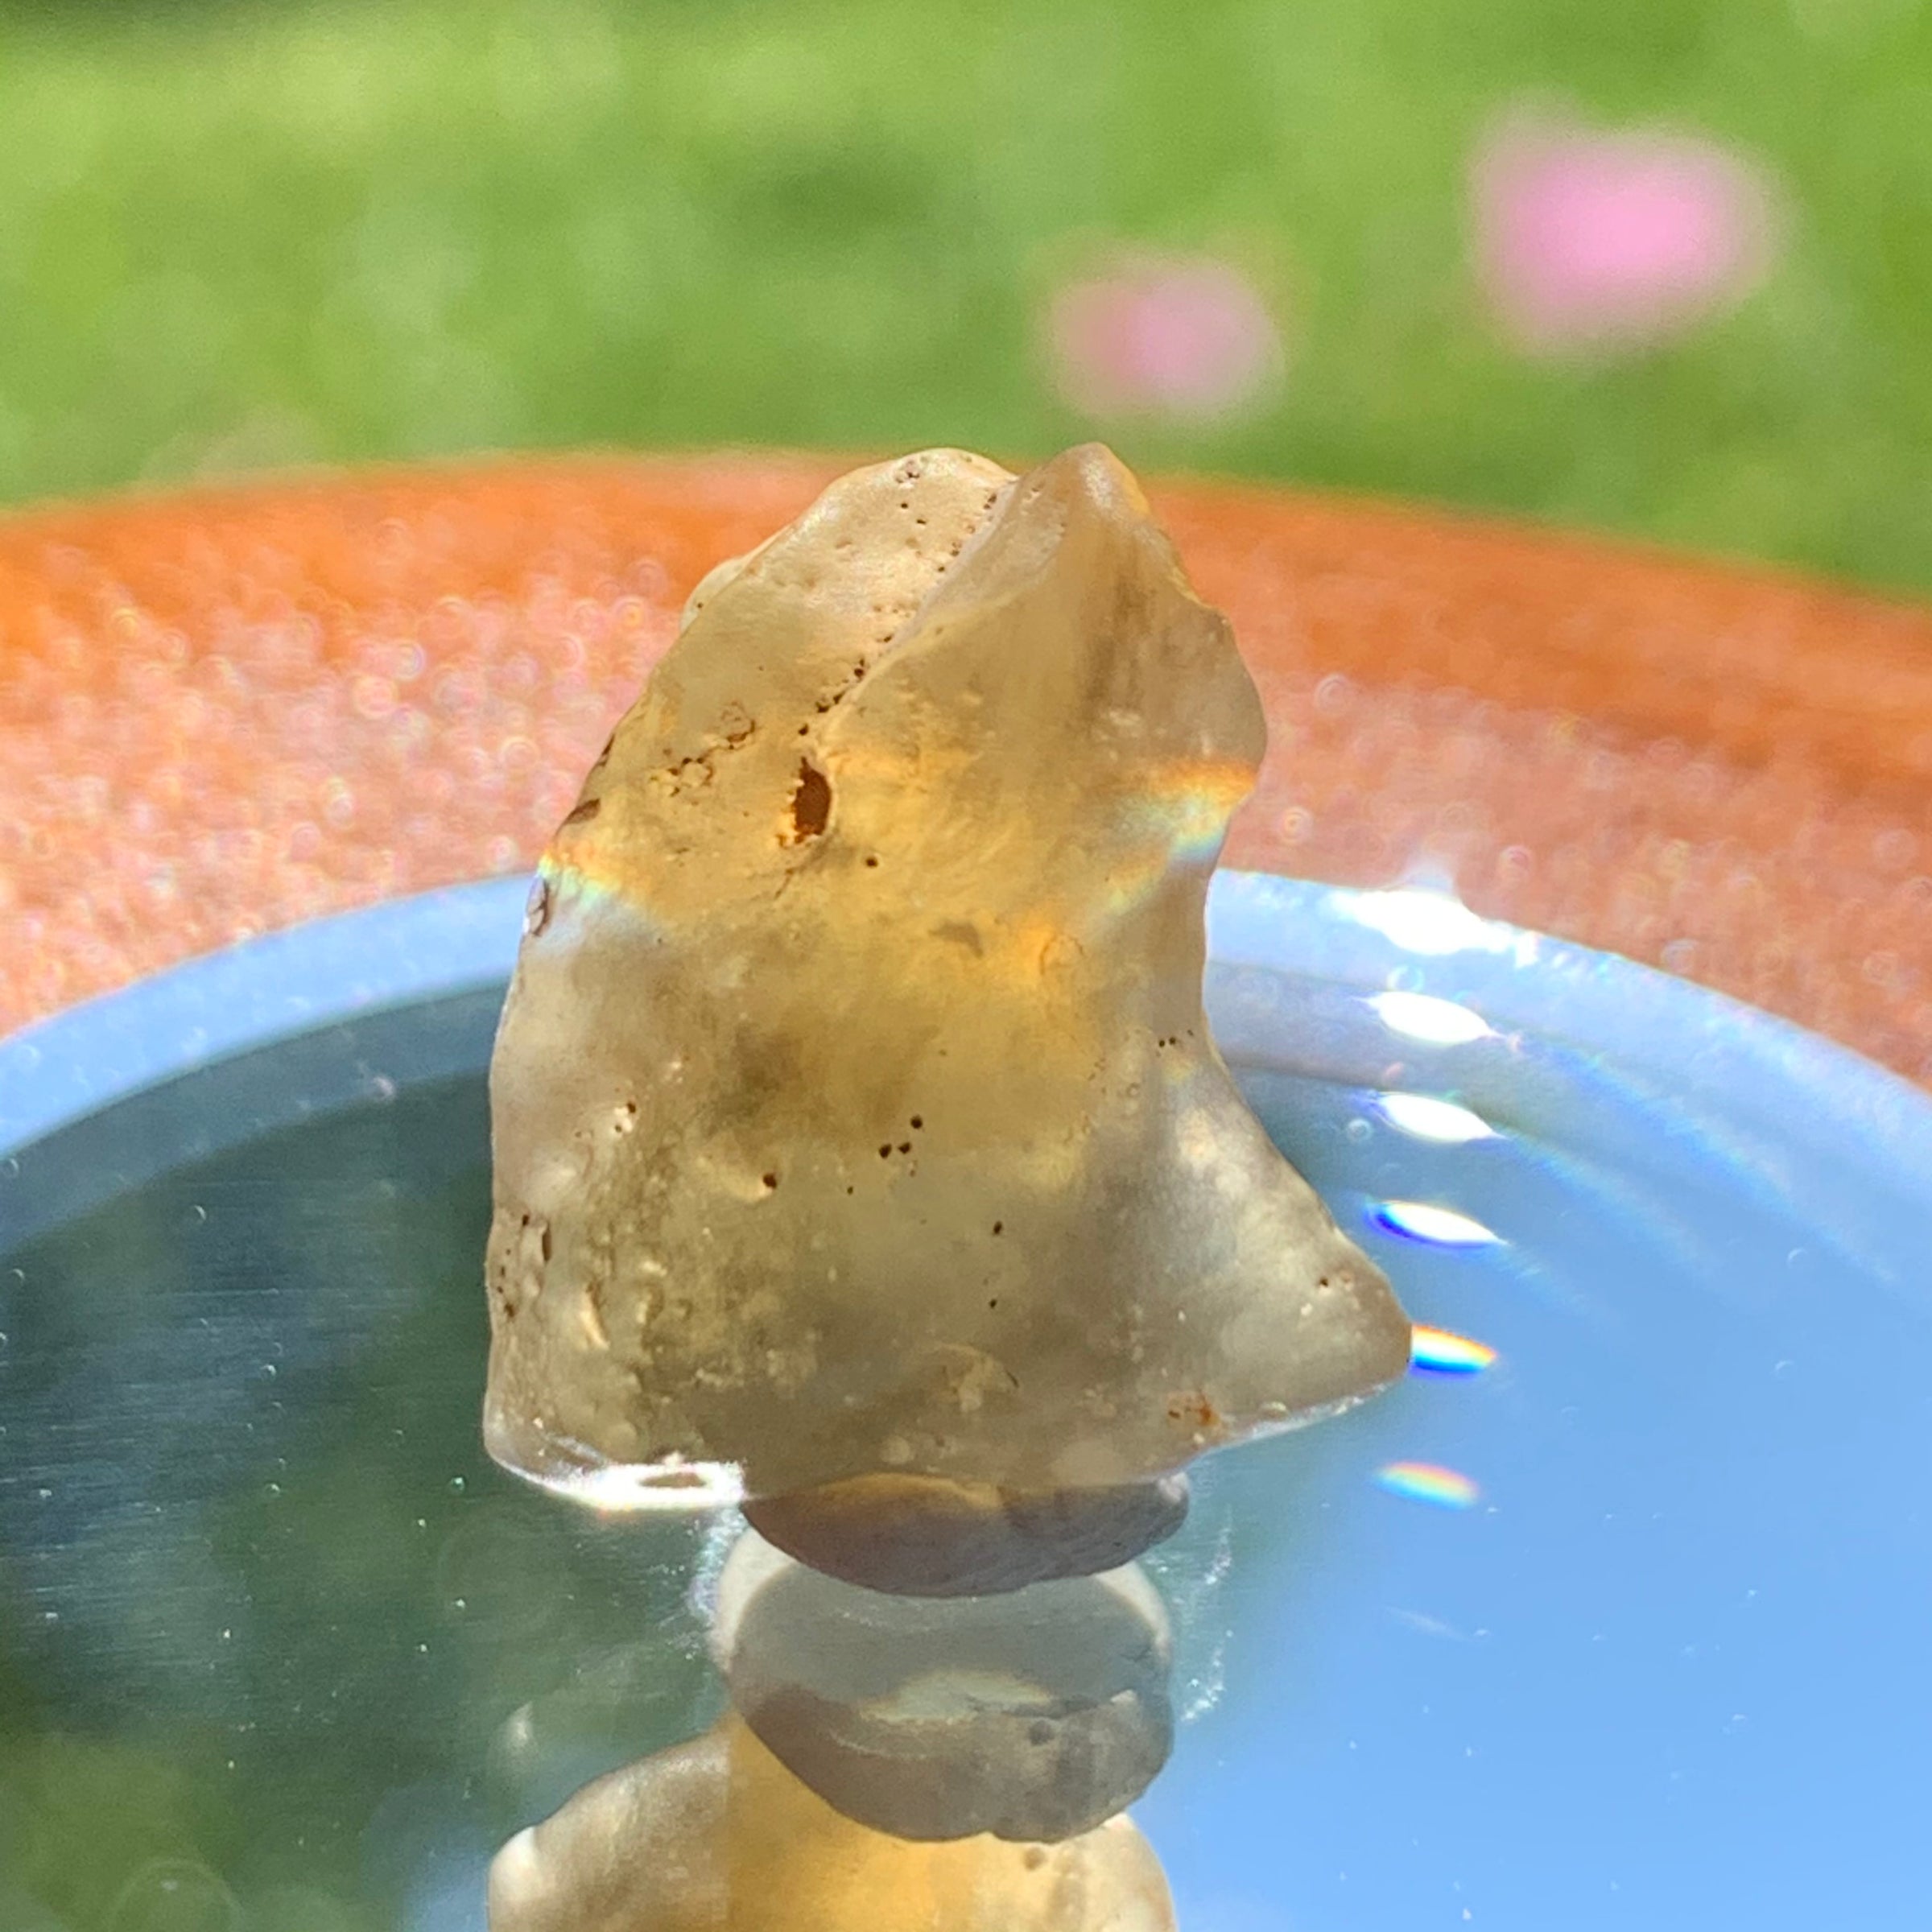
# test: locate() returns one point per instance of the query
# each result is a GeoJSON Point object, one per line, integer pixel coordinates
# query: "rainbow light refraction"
{"type": "Point", "coordinates": [1438, 1351]}
{"type": "Point", "coordinates": [1439, 1227]}
{"type": "Point", "coordinates": [1429, 1483]}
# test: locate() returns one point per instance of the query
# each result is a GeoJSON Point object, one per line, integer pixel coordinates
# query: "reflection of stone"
{"type": "Point", "coordinates": [1033, 1715]}
{"type": "Point", "coordinates": [717, 1835]}
{"type": "Point", "coordinates": [924, 1536]}
{"type": "Point", "coordinates": [855, 1113]}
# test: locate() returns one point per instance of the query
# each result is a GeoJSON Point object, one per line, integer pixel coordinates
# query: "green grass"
{"type": "Point", "coordinates": [237, 235]}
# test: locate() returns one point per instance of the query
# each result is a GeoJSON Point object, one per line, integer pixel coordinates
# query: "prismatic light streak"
{"type": "Point", "coordinates": [1439, 1352]}
{"type": "Point", "coordinates": [1429, 1483]}
{"type": "Point", "coordinates": [1436, 1227]}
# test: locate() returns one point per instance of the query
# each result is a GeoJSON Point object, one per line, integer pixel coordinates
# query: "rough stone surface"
{"type": "Point", "coordinates": [717, 1835]}
{"type": "Point", "coordinates": [854, 1108]}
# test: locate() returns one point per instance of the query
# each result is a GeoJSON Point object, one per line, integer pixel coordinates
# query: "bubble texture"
{"type": "Point", "coordinates": [224, 711]}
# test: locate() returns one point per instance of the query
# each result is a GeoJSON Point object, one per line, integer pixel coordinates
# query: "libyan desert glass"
{"type": "Point", "coordinates": [1611, 1614]}
{"type": "Point", "coordinates": [859, 1145]}
{"type": "Point", "coordinates": [717, 1836]}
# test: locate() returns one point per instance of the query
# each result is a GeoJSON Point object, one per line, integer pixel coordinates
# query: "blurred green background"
{"type": "Point", "coordinates": [238, 236]}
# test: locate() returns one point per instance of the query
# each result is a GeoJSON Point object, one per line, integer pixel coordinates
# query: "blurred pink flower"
{"type": "Point", "coordinates": [1187, 337]}
{"type": "Point", "coordinates": [1588, 240]}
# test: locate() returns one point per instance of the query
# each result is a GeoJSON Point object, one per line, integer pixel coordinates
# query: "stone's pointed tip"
{"type": "Point", "coordinates": [1092, 458]}
{"type": "Point", "coordinates": [1100, 476]}
{"type": "Point", "coordinates": [1098, 460]}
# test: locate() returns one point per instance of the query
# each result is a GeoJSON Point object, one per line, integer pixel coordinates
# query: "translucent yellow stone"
{"type": "Point", "coordinates": [717, 1835]}
{"type": "Point", "coordinates": [855, 1113]}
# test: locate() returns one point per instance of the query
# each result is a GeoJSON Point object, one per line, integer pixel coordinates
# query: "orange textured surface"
{"type": "Point", "coordinates": [226, 711]}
